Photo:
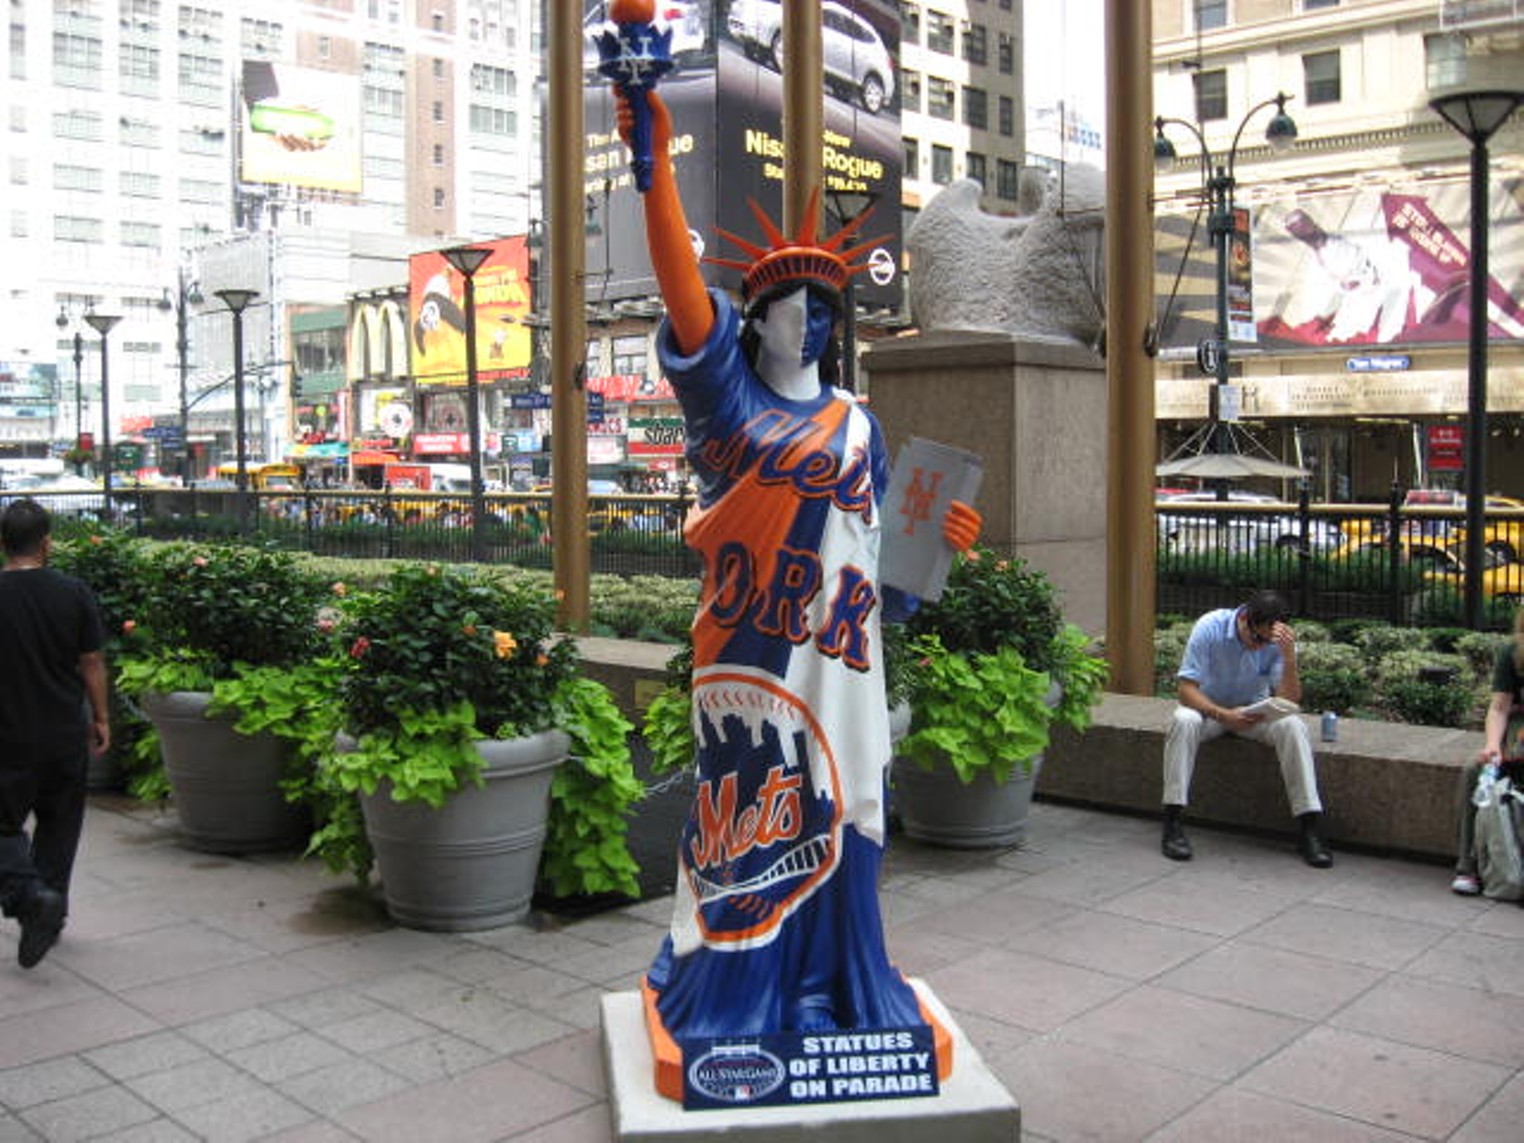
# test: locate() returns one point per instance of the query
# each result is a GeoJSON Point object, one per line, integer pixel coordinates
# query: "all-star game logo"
{"type": "Point", "coordinates": [736, 1074]}
{"type": "Point", "coordinates": [765, 831]}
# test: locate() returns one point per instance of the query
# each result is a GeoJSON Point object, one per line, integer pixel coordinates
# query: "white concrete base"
{"type": "Point", "coordinates": [972, 1106]}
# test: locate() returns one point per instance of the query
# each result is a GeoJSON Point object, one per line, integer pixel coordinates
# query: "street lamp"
{"type": "Point", "coordinates": [103, 324]}
{"type": "Point", "coordinates": [1477, 115]}
{"type": "Point", "coordinates": [1218, 182]}
{"type": "Point", "coordinates": [468, 260]}
{"type": "Point", "coordinates": [62, 321]}
{"type": "Point", "coordinates": [848, 207]}
{"type": "Point", "coordinates": [188, 294]}
{"type": "Point", "coordinates": [237, 301]}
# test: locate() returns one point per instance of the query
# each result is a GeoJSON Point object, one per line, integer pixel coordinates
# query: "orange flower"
{"type": "Point", "coordinates": [340, 589]}
{"type": "Point", "coordinates": [201, 561]}
{"type": "Point", "coordinates": [503, 644]}
{"type": "Point", "coordinates": [129, 626]}
{"type": "Point", "coordinates": [469, 629]}
{"type": "Point", "coordinates": [97, 540]}
{"type": "Point", "coordinates": [542, 660]}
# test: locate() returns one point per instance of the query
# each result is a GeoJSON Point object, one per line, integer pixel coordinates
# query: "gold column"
{"type": "Point", "coordinates": [568, 319]}
{"type": "Point", "coordinates": [803, 107]}
{"type": "Point", "coordinates": [1131, 449]}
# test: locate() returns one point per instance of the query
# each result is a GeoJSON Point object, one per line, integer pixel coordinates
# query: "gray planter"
{"type": "Point", "coordinates": [472, 863]}
{"type": "Point", "coordinates": [225, 784]}
{"type": "Point", "coordinates": [937, 808]}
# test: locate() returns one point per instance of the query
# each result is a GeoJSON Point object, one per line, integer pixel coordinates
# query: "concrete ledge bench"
{"type": "Point", "coordinates": [1385, 786]}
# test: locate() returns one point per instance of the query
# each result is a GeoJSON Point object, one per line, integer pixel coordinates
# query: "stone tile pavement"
{"type": "Point", "coordinates": [1119, 996]}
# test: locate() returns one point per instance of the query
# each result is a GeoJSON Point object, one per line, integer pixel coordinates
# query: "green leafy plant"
{"type": "Point", "coordinates": [439, 657]}
{"type": "Point", "coordinates": [1334, 676]}
{"type": "Point", "coordinates": [991, 667]}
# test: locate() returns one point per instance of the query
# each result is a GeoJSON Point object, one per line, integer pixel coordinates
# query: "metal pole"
{"type": "Point", "coordinates": [103, 324]}
{"type": "Point", "coordinates": [182, 349]}
{"type": "Point", "coordinates": [474, 429]}
{"type": "Point", "coordinates": [1131, 450]}
{"type": "Point", "coordinates": [79, 397]}
{"type": "Point", "coordinates": [240, 430]}
{"type": "Point", "coordinates": [1476, 392]}
{"type": "Point", "coordinates": [803, 107]}
{"type": "Point", "coordinates": [570, 554]}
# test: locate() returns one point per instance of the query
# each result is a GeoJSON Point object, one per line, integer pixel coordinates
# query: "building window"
{"type": "Point", "coordinates": [630, 356]}
{"type": "Point", "coordinates": [439, 198]}
{"type": "Point", "coordinates": [939, 32]}
{"type": "Point", "coordinates": [910, 99]}
{"type": "Point", "coordinates": [1007, 116]}
{"type": "Point", "coordinates": [976, 45]}
{"type": "Point", "coordinates": [493, 120]}
{"type": "Point", "coordinates": [1211, 95]}
{"type": "Point", "coordinates": [1210, 14]}
{"type": "Point", "coordinates": [139, 184]}
{"type": "Point", "coordinates": [76, 60]}
{"type": "Point", "coordinates": [438, 67]}
{"type": "Point", "coordinates": [1005, 54]}
{"type": "Point", "coordinates": [144, 234]}
{"type": "Point", "coordinates": [910, 22]}
{"type": "Point", "coordinates": [439, 154]}
{"type": "Point", "coordinates": [493, 80]}
{"type": "Point", "coordinates": [941, 164]}
{"type": "Point", "coordinates": [940, 98]}
{"type": "Point", "coordinates": [140, 66]}
{"type": "Point", "coordinates": [71, 228]}
{"type": "Point", "coordinates": [437, 21]}
{"type": "Point", "coordinates": [84, 125]}
{"type": "Point", "coordinates": [912, 158]}
{"type": "Point", "coordinates": [976, 167]}
{"type": "Point", "coordinates": [1007, 175]}
{"type": "Point", "coordinates": [1320, 70]}
{"type": "Point", "coordinates": [976, 108]}
{"type": "Point", "coordinates": [1312, 5]}
{"type": "Point", "coordinates": [325, 47]}
{"type": "Point", "coordinates": [67, 177]}
{"type": "Point", "coordinates": [438, 111]}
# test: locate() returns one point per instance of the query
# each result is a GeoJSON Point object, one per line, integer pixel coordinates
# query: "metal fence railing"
{"type": "Point", "coordinates": [1401, 564]}
{"type": "Point", "coordinates": [1331, 561]}
{"type": "Point", "coordinates": [628, 535]}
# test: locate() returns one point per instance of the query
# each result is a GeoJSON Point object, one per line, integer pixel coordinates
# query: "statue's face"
{"type": "Point", "coordinates": [796, 327]}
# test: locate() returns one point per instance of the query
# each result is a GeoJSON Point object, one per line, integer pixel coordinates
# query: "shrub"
{"type": "Point", "coordinates": [991, 602]}
{"type": "Point", "coordinates": [1334, 677]}
{"type": "Point", "coordinates": [1480, 650]}
{"type": "Point", "coordinates": [1379, 642]}
{"type": "Point", "coordinates": [1431, 704]}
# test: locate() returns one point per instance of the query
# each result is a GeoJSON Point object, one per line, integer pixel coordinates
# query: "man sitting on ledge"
{"type": "Point", "coordinates": [1237, 656]}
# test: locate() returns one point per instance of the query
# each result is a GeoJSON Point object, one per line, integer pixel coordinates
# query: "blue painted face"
{"type": "Point", "coordinates": [820, 320]}
{"type": "Point", "coordinates": [799, 319]}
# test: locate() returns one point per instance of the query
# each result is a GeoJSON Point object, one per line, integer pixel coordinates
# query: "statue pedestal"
{"type": "Point", "coordinates": [1035, 410]}
{"type": "Point", "coordinates": [971, 1107]}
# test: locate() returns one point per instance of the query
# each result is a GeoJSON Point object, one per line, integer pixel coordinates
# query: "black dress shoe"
{"type": "Point", "coordinates": [41, 922]}
{"type": "Point", "coordinates": [1310, 845]}
{"type": "Point", "coordinates": [1175, 846]}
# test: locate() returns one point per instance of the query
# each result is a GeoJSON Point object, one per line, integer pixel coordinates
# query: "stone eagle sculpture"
{"type": "Point", "coordinates": [1036, 274]}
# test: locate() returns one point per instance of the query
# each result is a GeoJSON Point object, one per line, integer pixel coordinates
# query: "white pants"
{"type": "Point", "coordinates": [1188, 730]}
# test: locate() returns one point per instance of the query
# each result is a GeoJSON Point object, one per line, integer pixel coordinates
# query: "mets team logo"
{"type": "Point", "coordinates": [765, 829]}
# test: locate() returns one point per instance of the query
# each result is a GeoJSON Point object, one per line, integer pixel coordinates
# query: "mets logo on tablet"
{"type": "Point", "coordinates": [765, 831]}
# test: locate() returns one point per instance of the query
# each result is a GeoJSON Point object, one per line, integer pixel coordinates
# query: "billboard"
{"type": "Point", "coordinates": [436, 303]}
{"type": "Point", "coordinates": [300, 127]}
{"type": "Point", "coordinates": [1375, 266]}
{"type": "Point", "coordinates": [725, 94]}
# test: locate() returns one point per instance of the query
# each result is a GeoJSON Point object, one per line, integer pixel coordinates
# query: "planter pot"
{"type": "Point", "coordinates": [936, 808]}
{"type": "Point", "coordinates": [472, 863]}
{"type": "Point", "coordinates": [225, 784]}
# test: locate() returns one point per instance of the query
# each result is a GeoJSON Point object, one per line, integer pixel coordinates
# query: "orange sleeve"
{"type": "Point", "coordinates": [689, 309]}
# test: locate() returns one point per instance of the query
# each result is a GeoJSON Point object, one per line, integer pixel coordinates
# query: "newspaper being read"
{"type": "Point", "coordinates": [927, 477]}
{"type": "Point", "coordinates": [1272, 708]}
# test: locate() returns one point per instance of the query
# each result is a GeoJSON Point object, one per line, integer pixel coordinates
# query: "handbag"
{"type": "Point", "coordinates": [1499, 823]}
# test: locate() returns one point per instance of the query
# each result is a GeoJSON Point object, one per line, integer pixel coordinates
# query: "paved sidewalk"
{"type": "Point", "coordinates": [1118, 995]}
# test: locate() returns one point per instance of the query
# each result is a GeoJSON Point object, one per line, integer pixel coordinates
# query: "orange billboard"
{"type": "Point", "coordinates": [300, 127]}
{"type": "Point", "coordinates": [437, 315]}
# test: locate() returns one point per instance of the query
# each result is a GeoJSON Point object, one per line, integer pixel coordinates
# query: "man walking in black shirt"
{"type": "Point", "coordinates": [51, 663]}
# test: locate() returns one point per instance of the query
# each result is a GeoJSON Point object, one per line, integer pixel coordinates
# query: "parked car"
{"type": "Point", "coordinates": [857, 64]}
{"type": "Point", "coordinates": [1502, 578]}
{"type": "Point", "coordinates": [1238, 532]}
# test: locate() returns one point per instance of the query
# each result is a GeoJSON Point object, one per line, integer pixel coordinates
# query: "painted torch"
{"type": "Point", "coordinates": [635, 54]}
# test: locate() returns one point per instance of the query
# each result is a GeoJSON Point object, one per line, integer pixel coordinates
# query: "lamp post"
{"type": "Point", "coordinates": [62, 321]}
{"type": "Point", "coordinates": [187, 295]}
{"type": "Point", "coordinates": [1218, 182]}
{"type": "Point", "coordinates": [237, 301]}
{"type": "Point", "coordinates": [1477, 115]}
{"type": "Point", "coordinates": [848, 207]}
{"type": "Point", "coordinates": [103, 324]}
{"type": "Point", "coordinates": [468, 260]}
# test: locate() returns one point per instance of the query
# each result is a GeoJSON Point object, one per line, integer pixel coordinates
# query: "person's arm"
{"type": "Point", "coordinates": [689, 310]}
{"type": "Point", "coordinates": [1495, 726]}
{"type": "Point", "coordinates": [92, 669]}
{"type": "Point", "coordinates": [1290, 686]}
{"type": "Point", "coordinates": [1190, 694]}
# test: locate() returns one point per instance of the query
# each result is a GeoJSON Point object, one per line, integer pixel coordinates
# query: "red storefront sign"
{"type": "Point", "coordinates": [1447, 445]}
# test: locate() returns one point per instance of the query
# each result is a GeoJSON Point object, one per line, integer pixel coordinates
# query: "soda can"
{"type": "Point", "coordinates": [1330, 726]}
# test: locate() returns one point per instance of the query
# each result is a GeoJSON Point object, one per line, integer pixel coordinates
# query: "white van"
{"type": "Point", "coordinates": [449, 478]}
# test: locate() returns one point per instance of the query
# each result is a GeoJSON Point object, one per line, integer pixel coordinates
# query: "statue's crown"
{"type": "Point", "coordinates": [787, 263]}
